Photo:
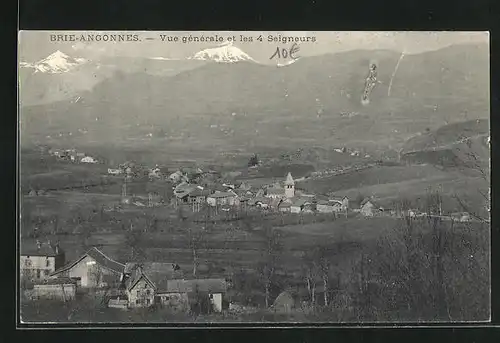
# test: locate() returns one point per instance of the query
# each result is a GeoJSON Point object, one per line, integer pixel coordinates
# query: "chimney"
{"type": "Point", "coordinates": [56, 248]}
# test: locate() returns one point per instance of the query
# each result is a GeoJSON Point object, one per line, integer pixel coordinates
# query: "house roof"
{"type": "Point", "coordinates": [366, 200]}
{"type": "Point", "coordinates": [300, 202]}
{"type": "Point", "coordinates": [338, 198]}
{"type": "Point", "coordinates": [57, 281]}
{"type": "Point", "coordinates": [197, 192]}
{"type": "Point", "coordinates": [222, 195]}
{"type": "Point", "coordinates": [324, 202]}
{"type": "Point", "coordinates": [156, 273]}
{"type": "Point", "coordinates": [100, 258]}
{"type": "Point", "coordinates": [289, 178]}
{"type": "Point", "coordinates": [275, 190]}
{"type": "Point", "coordinates": [202, 285]}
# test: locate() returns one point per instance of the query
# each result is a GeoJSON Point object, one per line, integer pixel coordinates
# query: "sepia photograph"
{"type": "Point", "coordinates": [253, 177]}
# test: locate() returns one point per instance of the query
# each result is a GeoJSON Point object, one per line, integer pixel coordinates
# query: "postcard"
{"type": "Point", "coordinates": [253, 177]}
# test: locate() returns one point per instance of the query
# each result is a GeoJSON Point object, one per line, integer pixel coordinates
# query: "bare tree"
{"type": "Point", "coordinates": [310, 276]}
{"type": "Point", "coordinates": [271, 256]}
{"type": "Point", "coordinates": [324, 269]}
{"type": "Point", "coordinates": [474, 163]}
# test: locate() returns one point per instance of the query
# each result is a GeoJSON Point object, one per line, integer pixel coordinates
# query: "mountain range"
{"type": "Point", "coordinates": [250, 104]}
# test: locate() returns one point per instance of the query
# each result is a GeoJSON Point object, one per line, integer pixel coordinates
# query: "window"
{"type": "Point", "coordinates": [148, 301]}
{"type": "Point", "coordinates": [46, 272]}
{"type": "Point", "coordinates": [137, 301]}
{"type": "Point", "coordinates": [148, 292]}
{"type": "Point", "coordinates": [138, 293]}
{"type": "Point", "coordinates": [38, 272]}
{"type": "Point", "coordinates": [47, 263]}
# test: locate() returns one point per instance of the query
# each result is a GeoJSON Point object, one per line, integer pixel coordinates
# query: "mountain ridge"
{"type": "Point", "coordinates": [301, 104]}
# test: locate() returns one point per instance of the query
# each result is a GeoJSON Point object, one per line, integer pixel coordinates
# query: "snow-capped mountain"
{"type": "Point", "coordinates": [225, 53]}
{"type": "Point", "coordinates": [287, 63]}
{"type": "Point", "coordinates": [56, 63]}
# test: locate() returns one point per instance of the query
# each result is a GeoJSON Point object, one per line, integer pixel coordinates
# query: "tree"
{"type": "Point", "coordinates": [310, 276]}
{"type": "Point", "coordinates": [254, 160]}
{"type": "Point", "coordinates": [324, 268]}
{"type": "Point", "coordinates": [270, 260]}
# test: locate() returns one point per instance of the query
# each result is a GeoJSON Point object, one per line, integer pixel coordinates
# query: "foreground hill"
{"type": "Point", "coordinates": [315, 101]}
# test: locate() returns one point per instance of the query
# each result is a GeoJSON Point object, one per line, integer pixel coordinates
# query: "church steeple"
{"type": "Point", "coordinates": [289, 186]}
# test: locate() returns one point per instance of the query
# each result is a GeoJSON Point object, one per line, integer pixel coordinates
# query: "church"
{"type": "Point", "coordinates": [285, 191]}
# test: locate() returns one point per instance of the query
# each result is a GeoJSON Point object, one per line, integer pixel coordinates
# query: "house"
{"type": "Point", "coordinates": [143, 280]}
{"type": "Point", "coordinates": [285, 206]}
{"type": "Point", "coordinates": [55, 152]}
{"type": "Point", "coordinates": [159, 283]}
{"type": "Point", "coordinates": [88, 159]}
{"type": "Point", "coordinates": [39, 262]}
{"type": "Point", "coordinates": [341, 204]}
{"type": "Point", "coordinates": [54, 289]}
{"type": "Point", "coordinates": [369, 208]}
{"type": "Point", "coordinates": [223, 198]}
{"type": "Point", "coordinates": [179, 293]}
{"type": "Point", "coordinates": [298, 204]}
{"type": "Point", "coordinates": [112, 171]}
{"type": "Point", "coordinates": [154, 173]}
{"type": "Point", "coordinates": [177, 176]}
{"type": "Point", "coordinates": [94, 269]}
{"type": "Point", "coordinates": [193, 195]}
{"type": "Point", "coordinates": [261, 202]}
{"type": "Point", "coordinates": [460, 217]}
{"type": "Point", "coordinates": [325, 206]}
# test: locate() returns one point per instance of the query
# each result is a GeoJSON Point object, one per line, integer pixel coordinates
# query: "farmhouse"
{"type": "Point", "coordinates": [39, 262]}
{"type": "Point", "coordinates": [155, 173]}
{"type": "Point", "coordinates": [179, 293]}
{"type": "Point", "coordinates": [285, 206]}
{"type": "Point", "coordinates": [325, 206]}
{"type": "Point", "coordinates": [88, 159]}
{"type": "Point", "coordinates": [340, 203]}
{"type": "Point", "coordinates": [370, 208]}
{"type": "Point", "coordinates": [142, 281]}
{"type": "Point", "coordinates": [177, 177]}
{"type": "Point", "coordinates": [192, 195]}
{"type": "Point", "coordinates": [299, 204]}
{"type": "Point", "coordinates": [162, 284]}
{"type": "Point", "coordinates": [115, 171]}
{"type": "Point", "coordinates": [223, 198]}
{"type": "Point", "coordinates": [93, 269]}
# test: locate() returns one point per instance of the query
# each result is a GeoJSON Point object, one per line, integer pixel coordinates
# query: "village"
{"type": "Point", "coordinates": [130, 284]}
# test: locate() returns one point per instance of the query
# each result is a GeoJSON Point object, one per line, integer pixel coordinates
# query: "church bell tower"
{"type": "Point", "coordinates": [289, 186]}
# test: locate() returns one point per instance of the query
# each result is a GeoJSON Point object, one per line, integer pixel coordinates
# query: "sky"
{"type": "Point", "coordinates": [35, 45]}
